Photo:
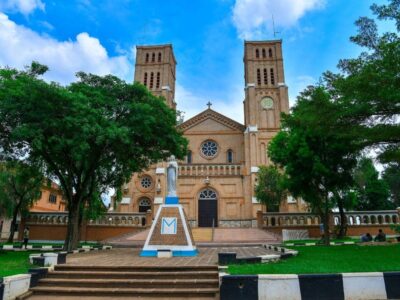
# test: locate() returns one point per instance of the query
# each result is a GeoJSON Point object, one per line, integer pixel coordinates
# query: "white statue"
{"type": "Point", "coordinates": [172, 176]}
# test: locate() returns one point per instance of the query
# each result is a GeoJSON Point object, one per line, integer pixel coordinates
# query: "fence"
{"type": "Point", "coordinates": [53, 225]}
{"type": "Point", "coordinates": [358, 222]}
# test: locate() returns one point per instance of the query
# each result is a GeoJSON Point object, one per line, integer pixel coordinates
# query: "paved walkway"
{"type": "Point", "coordinates": [221, 236]}
{"type": "Point", "coordinates": [130, 257]}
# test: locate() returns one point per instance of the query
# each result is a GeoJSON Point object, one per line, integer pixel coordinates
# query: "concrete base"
{"type": "Point", "coordinates": [170, 232]}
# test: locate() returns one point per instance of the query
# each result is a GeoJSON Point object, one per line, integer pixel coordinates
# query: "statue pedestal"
{"type": "Point", "coordinates": [170, 232]}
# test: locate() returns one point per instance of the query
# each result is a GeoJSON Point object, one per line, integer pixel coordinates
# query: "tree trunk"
{"type": "Point", "coordinates": [72, 238]}
{"type": "Point", "coordinates": [14, 223]}
{"type": "Point", "coordinates": [343, 219]}
{"type": "Point", "coordinates": [327, 240]}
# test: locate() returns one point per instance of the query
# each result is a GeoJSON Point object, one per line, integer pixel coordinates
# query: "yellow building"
{"type": "Point", "coordinates": [216, 181]}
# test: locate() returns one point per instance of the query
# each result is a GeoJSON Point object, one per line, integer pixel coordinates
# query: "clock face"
{"type": "Point", "coordinates": [267, 103]}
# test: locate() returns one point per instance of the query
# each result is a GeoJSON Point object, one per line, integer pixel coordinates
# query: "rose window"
{"type": "Point", "coordinates": [146, 182]}
{"type": "Point", "coordinates": [209, 149]}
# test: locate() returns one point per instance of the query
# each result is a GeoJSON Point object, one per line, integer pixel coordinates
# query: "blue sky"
{"type": "Point", "coordinates": [100, 37]}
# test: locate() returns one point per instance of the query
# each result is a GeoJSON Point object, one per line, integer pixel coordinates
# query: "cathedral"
{"type": "Point", "coordinates": [217, 178]}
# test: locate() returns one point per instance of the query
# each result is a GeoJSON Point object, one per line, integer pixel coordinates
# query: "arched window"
{"type": "Point", "coordinates": [272, 76]}
{"type": "Point", "coordinates": [144, 204]}
{"type": "Point", "coordinates": [265, 76]}
{"type": "Point", "coordinates": [264, 53]}
{"type": "Point", "coordinates": [270, 52]}
{"type": "Point", "coordinates": [159, 56]}
{"type": "Point", "coordinates": [208, 194]}
{"type": "Point", "coordinates": [147, 57]}
{"type": "Point", "coordinates": [189, 157]}
{"type": "Point", "coordinates": [153, 57]}
{"type": "Point", "coordinates": [229, 156]}
{"type": "Point", "coordinates": [145, 79]}
{"type": "Point", "coordinates": [158, 80]}
{"type": "Point", "coordinates": [258, 77]}
{"type": "Point", "coordinates": [151, 80]}
{"type": "Point", "coordinates": [257, 53]}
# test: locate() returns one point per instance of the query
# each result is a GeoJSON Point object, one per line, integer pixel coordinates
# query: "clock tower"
{"type": "Point", "coordinates": [266, 97]}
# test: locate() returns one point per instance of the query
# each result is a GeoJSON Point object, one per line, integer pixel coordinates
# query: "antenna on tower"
{"type": "Point", "coordinates": [273, 26]}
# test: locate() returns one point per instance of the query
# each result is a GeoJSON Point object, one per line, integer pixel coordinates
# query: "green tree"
{"type": "Point", "coordinates": [315, 151]}
{"type": "Point", "coordinates": [369, 86]}
{"type": "Point", "coordinates": [372, 192]}
{"type": "Point", "coordinates": [270, 189]}
{"type": "Point", "coordinates": [90, 135]}
{"type": "Point", "coordinates": [20, 186]}
{"type": "Point", "coordinates": [392, 177]}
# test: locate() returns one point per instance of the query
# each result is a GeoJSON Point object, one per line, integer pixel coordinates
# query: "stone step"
{"type": "Point", "coordinates": [132, 292]}
{"type": "Point", "coordinates": [134, 275]}
{"type": "Point", "coordinates": [135, 268]}
{"type": "Point", "coordinates": [131, 283]}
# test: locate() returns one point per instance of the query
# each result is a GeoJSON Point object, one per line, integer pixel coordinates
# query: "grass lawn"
{"type": "Point", "coordinates": [333, 259]}
{"type": "Point", "coordinates": [14, 262]}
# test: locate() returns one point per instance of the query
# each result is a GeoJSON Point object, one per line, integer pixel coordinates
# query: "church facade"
{"type": "Point", "coordinates": [217, 178]}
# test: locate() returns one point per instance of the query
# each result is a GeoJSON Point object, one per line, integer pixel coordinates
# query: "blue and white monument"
{"type": "Point", "coordinates": [170, 233]}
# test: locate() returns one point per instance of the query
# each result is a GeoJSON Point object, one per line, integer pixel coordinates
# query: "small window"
{"type": "Point", "coordinates": [158, 80]}
{"type": "Point", "coordinates": [258, 77]}
{"type": "Point", "coordinates": [159, 56]}
{"type": "Point", "coordinates": [145, 79]}
{"type": "Point", "coordinates": [229, 156]}
{"type": "Point", "coordinates": [257, 53]}
{"type": "Point", "coordinates": [147, 57]}
{"type": "Point", "coordinates": [151, 80]}
{"type": "Point", "coordinates": [153, 57]}
{"type": "Point", "coordinates": [264, 53]}
{"type": "Point", "coordinates": [189, 157]}
{"type": "Point", "coordinates": [272, 76]}
{"type": "Point", "coordinates": [265, 76]}
{"type": "Point", "coordinates": [270, 52]}
{"type": "Point", "coordinates": [53, 198]}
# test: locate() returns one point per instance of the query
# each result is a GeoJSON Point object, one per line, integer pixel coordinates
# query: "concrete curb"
{"type": "Point", "coordinates": [346, 286]}
{"type": "Point", "coordinates": [48, 247]}
{"type": "Point", "coordinates": [226, 258]}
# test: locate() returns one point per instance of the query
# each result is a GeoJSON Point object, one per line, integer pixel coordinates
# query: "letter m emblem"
{"type": "Point", "coordinates": [168, 226]}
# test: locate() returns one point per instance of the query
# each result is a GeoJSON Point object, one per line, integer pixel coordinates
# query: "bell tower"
{"type": "Point", "coordinates": [266, 97]}
{"type": "Point", "coordinates": [155, 68]}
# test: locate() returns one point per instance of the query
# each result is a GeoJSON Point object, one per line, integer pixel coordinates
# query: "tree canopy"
{"type": "Point", "coordinates": [90, 135]}
{"type": "Point", "coordinates": [315, 151]}
{"type": "Point", "coordinates": [270, 189]}
{"type": "Point", "coordinates": [20, 186]}
{"type": "Point", "coordinates": [372, 192]}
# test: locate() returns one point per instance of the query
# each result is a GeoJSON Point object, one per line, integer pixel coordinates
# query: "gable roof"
{"type": "Point", "coordinates": [213, 115]}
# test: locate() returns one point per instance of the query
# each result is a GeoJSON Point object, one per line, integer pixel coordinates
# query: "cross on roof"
{"type": "Point", "coordinates": [209, 104]}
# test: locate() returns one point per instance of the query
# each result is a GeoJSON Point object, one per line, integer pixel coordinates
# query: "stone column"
{"type": "Point", "coordinates": [260, 219]}
{"type": "Point", "coordinates": [149, 218]}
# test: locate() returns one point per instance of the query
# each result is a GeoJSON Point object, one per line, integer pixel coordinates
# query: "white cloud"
{"type": "Point", "coordinates": [252, 18]}
{"type": "Point", "coordinates": [192, 104]}
{"type": "Point", "coordinates": [20, 46]}
{"type": "Point", "coordinates": [23, 6]}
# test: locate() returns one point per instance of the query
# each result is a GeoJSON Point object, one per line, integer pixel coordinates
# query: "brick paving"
{"type": "Point", "coordinates": [130, 257]}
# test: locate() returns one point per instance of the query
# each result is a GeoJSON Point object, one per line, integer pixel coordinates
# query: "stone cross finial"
{"type": "Point", "coordinates": [209, 104]}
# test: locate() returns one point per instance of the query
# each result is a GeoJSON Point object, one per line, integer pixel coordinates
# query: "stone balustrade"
{"type": "Point", "coordinates": [359, 218]}
{"type": "Point", "coordinates": [289, 219]}
{"type": "Point", "coordinates": [209, 170]}
{"type": "Point", "coordinates": [108, 219]}
{"type": "Point", "coordinates": [354, 218]}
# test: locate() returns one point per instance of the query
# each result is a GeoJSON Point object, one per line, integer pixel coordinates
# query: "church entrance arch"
{"type": "Point", "coordinates": [144, 204]}
{"type": "Point", "coordinates": [208, 208]}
